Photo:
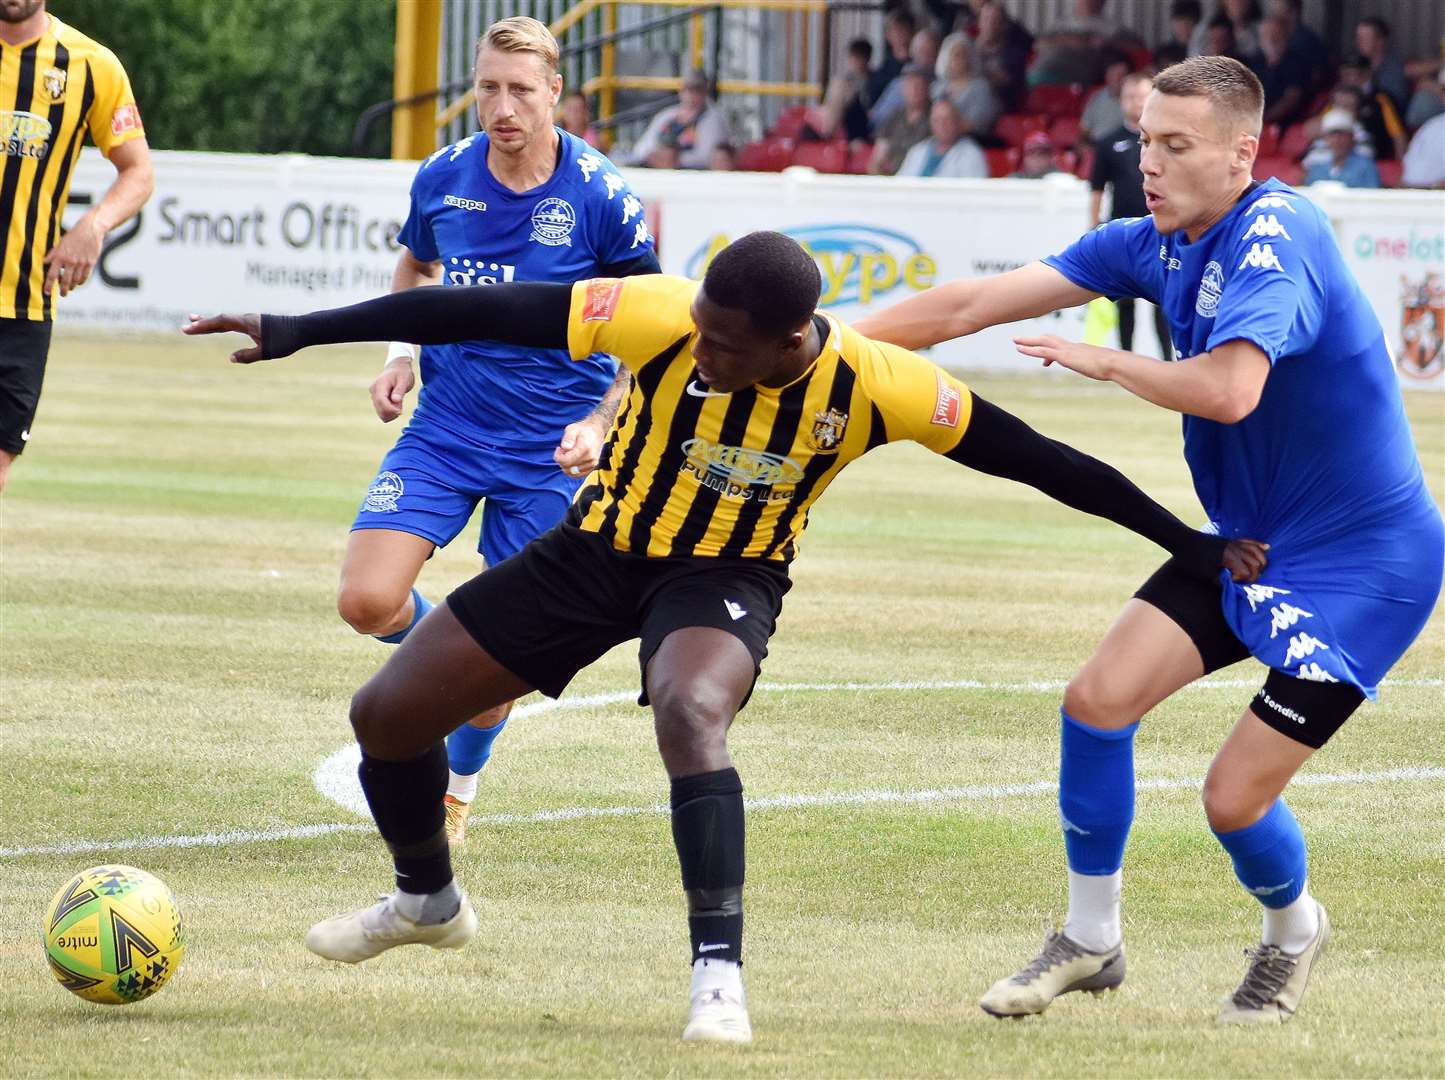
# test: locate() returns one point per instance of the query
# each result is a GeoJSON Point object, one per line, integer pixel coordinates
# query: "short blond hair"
{"type": "Point", "coordinates": [521, 33]}
{"type": "Point", "coordinates": [1233, 90]}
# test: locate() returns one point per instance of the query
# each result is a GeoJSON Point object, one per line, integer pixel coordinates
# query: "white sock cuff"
{"type": "Point", "coordinates": [462, 788]}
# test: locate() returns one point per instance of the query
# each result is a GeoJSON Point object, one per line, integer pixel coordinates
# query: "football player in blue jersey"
{"type": "Point", "coordinates": [520, 428]}
{"type": "Point", "coordinates": [1295, 433]}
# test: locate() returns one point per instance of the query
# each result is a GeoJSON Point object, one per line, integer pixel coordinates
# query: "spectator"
{"type": "Point", "coordinates": [844, 109]}
{"type": "Point", "coordinates": [1303, 41]}
{"type": "Point", "coordinates": [908, 126]}
{"type": "Point", "coordinates": [1219, 39]}
{"type": "Point", "coordinates": [1184, 18]}
{"type": "Point", "coordinates": [1429, 100]}
{"type": "Point", "coordinates": [898, 31]}
{"type": "Point", "coordinates": [1038, 159]}
{"type": "Point", "coordinates": [978, 106]}
{"type": "Point", "coordinates": [1345, 99]}
{"type": "Point", "coordinates": [576, 118]}
{"type": "Point", "coordinates": [693, 126]}
{"type": "Point", "coordinates": [1284, 74]}
{"type": "Point", "coordinates": [1072, 50]}
{"type": "Point", "coordinates": [1116, 166]}
{"type": "Point", "coordinates": [1424, 164]}
{"type": "Point", "coordinates": [948, 153]}
{"type": "Point", "coordinates": [1387, 72]}
{"type": "Point", "coordinates": [1103, 113]}
{"type": "Point", "coordinates": [924, 53]}
{"type": "Point", "coordinates": [665, 153]}
{"type": "Point", "coordinates": [1243, 18]}
{"type": "Point", "coordinates": [723, 158]}
{"type": "Point", "coordinates": [1344, 165]}
{"type": "Point", "coordinates": [1377, 110]}
{"type": "Point", "coordinates": [1169, 54]}
{"type": "Point", "coordinates": [999, 55]}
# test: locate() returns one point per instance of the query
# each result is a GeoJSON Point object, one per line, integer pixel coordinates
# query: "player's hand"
{"type": "Point", "coordinates": [1245, 560]}
{"type": "Point", "coordinates": [581, 446]}
{"type": "Point", "coordinates": [1088, 360]}
{"type": "Point", "coordinates": [250, 325]}
{"type": "Point", "coordinates": [69, 263]}
{"type": "Point", "coordinates": [390, 388]}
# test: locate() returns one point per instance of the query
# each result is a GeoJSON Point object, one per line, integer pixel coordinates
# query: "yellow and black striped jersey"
{"type": "Point", "coordinates": [689, 472]}
{"type": "Point", "coordinates": [52, 91]}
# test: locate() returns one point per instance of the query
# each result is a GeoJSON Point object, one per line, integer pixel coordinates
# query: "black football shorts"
{"type": "Point", "coordinates": [568, 597]}
{"type": "Point", "coordinates": [24, 345]}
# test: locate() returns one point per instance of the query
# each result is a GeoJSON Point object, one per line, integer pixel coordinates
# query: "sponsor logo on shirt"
{"type": "Point", "coordinates": [477, 272]}
{"type": "Point", "coordinates": [553, 220]}
{"type": "Point", "coordinates": [1267, 225]}
{"type": "Point", "coordinates": [739, 473]}
{"type": "Point", "coordinates": [602, 297]}
{"type": "Point", "coordinates": [126, 118]}
{"type": "Point", "coordinates": [1211, 286]}
{"type": "Point", "coordinates": [1283, 710]}
{"type": "Point", "coordinates": [948, 406]}
{"type": "Point", "coordinates": [463, 204]}
{"type": "Point", "coordinates": [1261, 257]}
{"type": "Point", "coordinates": [25, 134]}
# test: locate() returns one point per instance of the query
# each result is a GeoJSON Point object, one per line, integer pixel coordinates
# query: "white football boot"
{"type": "Point", "coordinates": [1061, 967]}
{"type": "Point", "coordinates": [360, 935]}
{"type": "Point", "coordinates": [1275, 982]}
{"type": "Point", "coordinates": [719, 1008]}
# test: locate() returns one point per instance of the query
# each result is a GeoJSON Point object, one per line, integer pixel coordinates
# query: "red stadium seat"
{"type": "Point", "coordinates": [789, 124]}
{"type": "Point", "coordinates": [1001, 160]}
{"type": "Point", "coordinates": [1013, 128]}
{"type": "Point", "coordinates": [1389, 172]}
{"type": "Point", "coordinates": [769, 155]}
{"type": "Point", "coordinates": [1052, 101]}
{"type": "Point", "coordinates": [1269, 141]}
{"type": "Point", "coordinates": [1085, 164]}
{"type": "Point", "coordinates": [1286, 169]}
{"type": "Point", "coordinates": [859, 156]}
{"type": "Point", "coordinates": [826, 157]}
{"type": "Point", "coordinates": [1065, 131]}
{"type": "Point", "coordinates": [1292, 143]}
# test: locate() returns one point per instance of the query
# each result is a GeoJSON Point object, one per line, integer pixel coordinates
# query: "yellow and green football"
{"type": "Point", "coordinates": [113, 935]}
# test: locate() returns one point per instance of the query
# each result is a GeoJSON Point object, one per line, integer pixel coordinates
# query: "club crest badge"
{"type": "Point", "coordinates": [1422, 327]}
{"type": "Point", "coordinates": [1211, 287]}
{"type": "Point", "coordinates": [54, 80]}
{"type": "Point", "coordinates": [827, 434]}
{"type": "Point", "coordinates": [553, 220]}
{"type": "Point", "coordinates": [385, 490]}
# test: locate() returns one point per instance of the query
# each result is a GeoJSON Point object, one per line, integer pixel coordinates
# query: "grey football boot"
{"type": "Point", "coordinates": [1061, 967]}
{"type": "Point", "coordinates": [1275, 982]}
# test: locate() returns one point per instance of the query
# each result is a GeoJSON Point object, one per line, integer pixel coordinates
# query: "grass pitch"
{"type": "Point", "coordinates": [173, 667]}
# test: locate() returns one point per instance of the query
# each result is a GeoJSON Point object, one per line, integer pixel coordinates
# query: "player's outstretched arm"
{"type": "Point", "coordinates": [1000, 444]}
{"type": "Point", "coordinates": [532, 314]}
{"type": "Point", "coordinates": [958, 308]}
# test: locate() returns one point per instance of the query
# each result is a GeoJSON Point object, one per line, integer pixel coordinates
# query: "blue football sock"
{"type": "Point", "coordinates": [469, 748]}
{"type": "Point", "coordinates": [1269, 856]}
{"type": "Point", "coordinates": [1096, 794]}
{"type": "Point", "coordinates": [422, 606]}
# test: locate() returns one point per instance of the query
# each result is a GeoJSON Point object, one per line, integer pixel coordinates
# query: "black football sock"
{"type": "Point", "coordinates": [406, 800]}
{"type": "Point", "coordinates": [707, 827]}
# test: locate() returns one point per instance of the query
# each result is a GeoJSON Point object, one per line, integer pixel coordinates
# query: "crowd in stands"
{"type": "Point", "coordinates": [961, 89]}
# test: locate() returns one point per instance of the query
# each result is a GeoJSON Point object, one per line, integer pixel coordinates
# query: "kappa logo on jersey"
{"type": "Point", "coordinates": [948, 406]}
{"type": "Point", "coordinates": [1275, 200]}
{"type": "Point", "coordinates": [126, 118]}
{"type": "Point", "coordinates": [1312, 672]}
{"type": "Point", "coordinates": [385, 490]}
{"type": "Point", "coordinates": [469, 272]}
{"type": "Point", "coordinates": [1123, 145]}
{"type": "Point", "coordinates": [1284, 616]}
{"type": "Point", "coordinates": [1267, 225]}
{"type": "Point", "coordinates": [1211, 287]}
{"type": "Point", "coordinates": [1255, 594]}
{"type": "Point", "coordinates": [54, 79]}
{"type": "Point", "coordinates": [463, 204]}
{"type": "Point", "coordinates": [828, 428]}
{"type": "Point", "coordinates": [1170, 263]}
{"type": "Point", "coordinates": [602, 297]}
{"type": "Point", "coordinates": [1261, 257]}
{"type": "Point", "coordinates": [25, 134]}
{"type": "Point", "coordinates": [1302, 645]}
{"type": "Point", "coordinates": [553, 220]}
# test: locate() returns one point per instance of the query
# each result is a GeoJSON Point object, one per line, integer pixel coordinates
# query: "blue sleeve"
{"type": "Point", "coordinates": [416, 232]}
{"type": "Point", "coordinates": [619, 224]}
{"type": "Point", "coordinates": [1274, 294]}
{"type": "Point", "coordinates": [1118, 259]}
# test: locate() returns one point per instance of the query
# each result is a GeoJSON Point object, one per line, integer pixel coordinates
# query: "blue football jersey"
{"type": "Point", "coordinates": [582, 219]}
{"type": "Point", "coordinates": [1325, 468]}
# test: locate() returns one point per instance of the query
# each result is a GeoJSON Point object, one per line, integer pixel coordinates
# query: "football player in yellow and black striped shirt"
{"type": "Point", "coordinates": [56, 85]}
{"type": "Point", "coordinates": [746, 403]}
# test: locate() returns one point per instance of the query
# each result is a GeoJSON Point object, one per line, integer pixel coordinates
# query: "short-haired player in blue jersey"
{"type": "Point", "coordinates": [520, 428]}
{"type": "Point", "coordinates": [1295, 433]}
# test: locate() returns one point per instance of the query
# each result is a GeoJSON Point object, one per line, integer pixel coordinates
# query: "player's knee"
{"type": "Point", "coordinates": [369, 610]}
{"type": "Point", "coordinates": [373, 721]}
{"type": "Point", "coordinates": [1229, 804]}
{"type": "Point", "coordinates": [691, 717]}
{"type": "Point", "coordinates": [1097, 698]}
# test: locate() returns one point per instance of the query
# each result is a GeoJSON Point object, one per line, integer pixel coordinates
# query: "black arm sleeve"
{"type": "Point", "coordinates": [518, 313]}
{"type": "Point", "coordinates": [643, 264]}
{"type": "Point", "coordinates": [1000, 444]}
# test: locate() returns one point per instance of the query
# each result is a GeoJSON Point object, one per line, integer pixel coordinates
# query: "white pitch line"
{"type": "Point", "coordinates": [335, 778]}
